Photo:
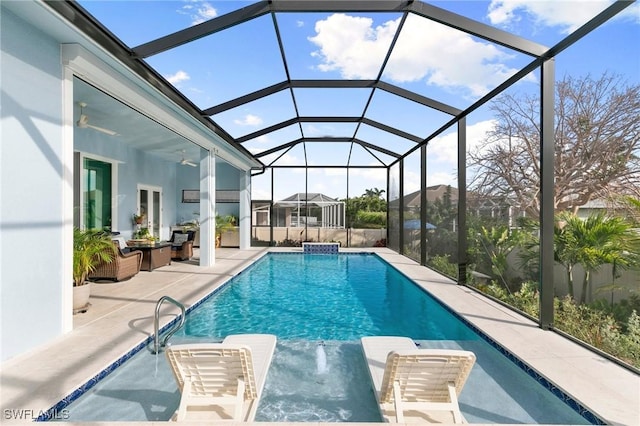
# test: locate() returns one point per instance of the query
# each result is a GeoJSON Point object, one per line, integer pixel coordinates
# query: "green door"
{"type": "Point", "coordinates": [97, 194]}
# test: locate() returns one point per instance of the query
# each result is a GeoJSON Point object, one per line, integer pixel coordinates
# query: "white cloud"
{"type": "Point", "coordinates": [311, 130]}
{"type": "Point", "coordinates": [567, 15]}
{"type": "Point", "coordinates": [443, 178]}
{"type": "Point", "coordinates": [299, 24]}
{"type": "Point", "coordinates": [444, 149]}
{"type": "Point", "coordinates": [319, 187]}
{"type": "Point", "coordinates": [198, 11]}
{"type": "Point", "coordinates": [447, 58]}
{"type": "Point", "coordinates": [285, 160]}
{"type": "Point", "coordinates": [249, 120]}
{"type": "Point", "coordinates": [335, 172]}
{"type": "Point", "coordinates": [426, 50]}
{"type": "Point", "coordinates": [411, 182]}
{"type": "Point", "coordinates": [373, 177]}
{"type": "Point", "coordinates": [177, 78]}
{"type": "Point", "coordinates": [350, 45]}
{"type": "Point", "coordinates": [258, 193]}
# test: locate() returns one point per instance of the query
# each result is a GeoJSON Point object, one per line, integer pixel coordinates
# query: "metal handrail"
{"type": "Point", "coordinates": [157, 345]}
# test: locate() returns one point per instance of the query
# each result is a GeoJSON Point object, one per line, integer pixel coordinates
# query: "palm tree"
{"type": "Point", "coordinates": [374, 192]}
{"type": "Point", "coordinates": [596, 241]}
{"type": "Point", "coordinates": [372, 200]}
{"type": "Point", "coordinates": [591, 242]}
{"type": "Point", "coordinates": [565, 250]}
{"type": "Point", "coordinates": [223, 224]}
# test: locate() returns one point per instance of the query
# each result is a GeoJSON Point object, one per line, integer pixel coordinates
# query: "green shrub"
{"type": "Point", "coordinates": [443, 265]}
{"type": "Point", "coordinates": [370, 220]}
{"type": "Point", "coordinates": [595, 327]}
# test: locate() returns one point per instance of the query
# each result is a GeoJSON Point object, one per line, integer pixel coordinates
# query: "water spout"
{"type": "Point", "coordinates": [321, 359]}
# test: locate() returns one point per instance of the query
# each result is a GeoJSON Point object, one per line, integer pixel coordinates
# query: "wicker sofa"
{"type": "Point", "coordinates": [123, 266]}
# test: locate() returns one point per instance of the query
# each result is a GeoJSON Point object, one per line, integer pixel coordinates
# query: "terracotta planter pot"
{"type": "Point", "coordinates": [81, 297]}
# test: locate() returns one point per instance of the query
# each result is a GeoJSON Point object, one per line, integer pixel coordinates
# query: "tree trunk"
{"type": "Point", "coordinates": [585, 286]}
{"type": "Point", "coordinates": [570, 281]}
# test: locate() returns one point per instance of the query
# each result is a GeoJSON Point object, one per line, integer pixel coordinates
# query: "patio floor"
{"type": "Point", "coordinates": [121, 316]}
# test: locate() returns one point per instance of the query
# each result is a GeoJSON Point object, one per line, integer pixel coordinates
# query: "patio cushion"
{"type": "Point", "coordinates": [122, 243]}
{"type": "Point", "coordinates": [179, 238]}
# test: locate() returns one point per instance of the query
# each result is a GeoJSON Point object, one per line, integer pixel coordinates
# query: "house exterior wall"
{"type": "Point", "coordinates": [39, 55]}
{"type": "Point", "coordinates": [32, 170]}
{"type": "Point", "coordinates": [135, 167]}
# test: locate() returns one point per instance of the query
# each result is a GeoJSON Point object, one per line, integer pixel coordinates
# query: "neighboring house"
{"type": "Point", "coordinates": [299, 210]}
{"type": "Point", "coordinates": [481, 206]}
{"type": "Point", "coordinates": [601, 205]}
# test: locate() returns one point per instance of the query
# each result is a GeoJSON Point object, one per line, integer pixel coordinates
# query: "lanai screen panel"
{"type": "Point", "coordinates": [434, 60]}
{"type": "Point", "coordinates": [261, 44]}
{"type": "Point", "coordinates": [416, 119]}
{"type": "Point", "coordinates": [317, 47]}
{"type": "Point", "coordinates": [333, 101]}
{"type": "Point", "coordinates": [254, 116]}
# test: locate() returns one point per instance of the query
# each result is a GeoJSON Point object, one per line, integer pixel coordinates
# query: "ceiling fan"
{"type": "Point", "coordinates": [186, 162]}
{"type": "Point", "coordinates": [83, 123]}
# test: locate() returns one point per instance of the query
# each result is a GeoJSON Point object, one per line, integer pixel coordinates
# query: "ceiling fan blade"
{"type": "Point", "coordinates": [101, 129]}
{"type": "Point", "coordinates": [83, 123]}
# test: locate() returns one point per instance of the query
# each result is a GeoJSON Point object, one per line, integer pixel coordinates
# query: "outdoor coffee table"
{"type": "Point", "coordinates": [154, 255]}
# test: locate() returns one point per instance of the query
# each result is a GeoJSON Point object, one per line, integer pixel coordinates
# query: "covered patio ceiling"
{"type": "Point", "coordinates": [311, 108]}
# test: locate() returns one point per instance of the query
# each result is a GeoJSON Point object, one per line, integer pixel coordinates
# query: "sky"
{"type": "Point", "coordinates": [430, 59]}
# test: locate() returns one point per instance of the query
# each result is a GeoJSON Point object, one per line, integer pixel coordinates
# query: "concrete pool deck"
{"type": "Point", "coordinates": [121, 316]}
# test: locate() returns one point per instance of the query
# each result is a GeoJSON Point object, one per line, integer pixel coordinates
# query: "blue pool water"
{"type": "Point", "coordinates": [325, 297]}
{"type": "Point", "coordinates": [332, 300]}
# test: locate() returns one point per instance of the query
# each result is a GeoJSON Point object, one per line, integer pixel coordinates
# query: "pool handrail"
{"type": "Point", "coordinates": [157, 345]}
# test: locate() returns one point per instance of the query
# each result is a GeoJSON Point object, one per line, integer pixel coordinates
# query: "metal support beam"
{"type": "Point", "coordinates": [253, 96]}
{"type": "Point", "coordinates": [547, 159]}
{"type": "Point", "coordinates": [271, 212]}
{"type": "Point", "coordinates": [477, 29]}
{"type": "Point", "coordinates": [266, 130]}
{"type": "Point", "coordinates": [423, 205]}
{"type": "Point", "coordinates": [418, 98]}
{"type": "Point", "coordinates": [401, 207]}
{"type": "Point", "coordinates": [201, 30]}
{"type": "Point", "coordinates": [392, 130]}
{"type": "Point", "coordinates": [462, 201]}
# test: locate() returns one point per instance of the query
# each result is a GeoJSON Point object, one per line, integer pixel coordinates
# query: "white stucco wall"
{"type": "Point", "coordinates": [31, 182]}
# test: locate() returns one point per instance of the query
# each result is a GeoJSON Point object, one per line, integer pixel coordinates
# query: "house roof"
{"type": "Point", "coordinates": [310, 198]}
{"type": "Point", "coordinates": [434, 193]}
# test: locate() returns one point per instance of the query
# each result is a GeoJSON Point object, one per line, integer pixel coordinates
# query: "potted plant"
{"type": "Point", "coordinates": [143, 234]}
{"type": "Point", "coordinates": [89, 248]}
{"type": "Point", "coordinates": [138, 218]}
{"type": "Point", "coordinates": [223, 224]}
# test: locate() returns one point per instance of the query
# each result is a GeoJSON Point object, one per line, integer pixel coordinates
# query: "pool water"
{"type": "Point", "coordinates": [325, 297]}
{"type": "Point", "coordinates": [319, 306]}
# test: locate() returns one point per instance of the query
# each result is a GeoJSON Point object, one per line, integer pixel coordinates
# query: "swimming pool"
{"type": "Point", "coordinates": [331, 299]}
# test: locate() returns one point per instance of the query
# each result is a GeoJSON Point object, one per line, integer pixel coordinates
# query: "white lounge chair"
{"type": "Point", "coordinates": [416, 385]}
{"type": "Point", "coordinates": [221, 381]}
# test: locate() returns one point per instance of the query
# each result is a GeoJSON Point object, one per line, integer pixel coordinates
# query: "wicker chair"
{"type": "Point", "coordinates": [182, 250]}
{"type": "Point", "coordinates": [123, 266]}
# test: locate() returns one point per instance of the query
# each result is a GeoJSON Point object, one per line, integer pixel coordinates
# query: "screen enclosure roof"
{"type": "Point", "coordinates": [337, 83]}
